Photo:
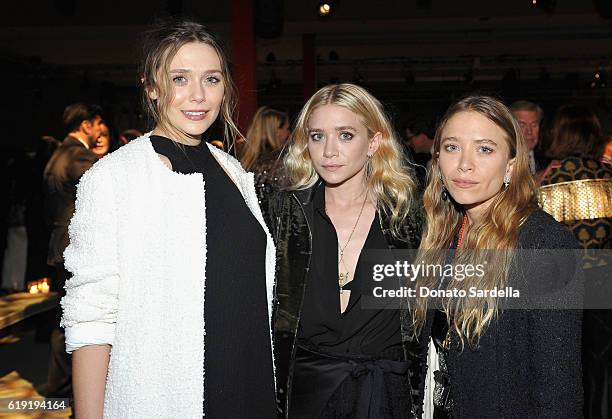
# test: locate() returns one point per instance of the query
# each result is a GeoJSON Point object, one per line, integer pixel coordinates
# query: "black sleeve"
{"type": "Point", "coordinates": [556, 362]}
{"type": "Point", "coordinates": [556, 333]}
{"type": "Point", "coordinates": [417, 353]}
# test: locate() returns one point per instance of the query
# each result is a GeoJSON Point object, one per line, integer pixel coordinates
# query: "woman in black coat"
{"type": "Point", "coordinates": [350, 194]}
{"type": "Point", "coordinates": [516, 356]}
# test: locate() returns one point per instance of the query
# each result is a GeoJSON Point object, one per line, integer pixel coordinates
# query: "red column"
{"type": "Point", "coordinates": [244, 60]}
{"type": "Point", "coordinates": [308, 64]}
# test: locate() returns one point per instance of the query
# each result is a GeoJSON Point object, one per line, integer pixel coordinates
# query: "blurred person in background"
{"type": "Point", "coordinates": [128, 135]}
{"type": "Point", "coordinates": [38, 232]}
{"type": "Point", "coordinates": [577, 175]}
{"type": "Point", "coordinates": [103, 143]}
{"type": "Point", "coordinates": [14, 261]}
{"type": "Point", "coordinates": [418, 145]}
{"type": "Point", "coordinates": [61, 175]}
{"type": "Point", "coordinates": [576, 189]}
{"type": "Point", "coordinates": [261, 152]}
{"type": "Point", "coordinates": [529, 116]}
{"type": "Point", "coordinates": [606, 158]}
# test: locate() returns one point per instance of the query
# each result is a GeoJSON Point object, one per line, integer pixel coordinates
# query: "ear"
{"type": "Point", "coordinates": [152, 93]}
{"type": "Point", "coordinates": [374, 143]}
{"type": "Point", "coordinates": [510, 167]}
{"type": "Point", "coordinates": [85, 126]}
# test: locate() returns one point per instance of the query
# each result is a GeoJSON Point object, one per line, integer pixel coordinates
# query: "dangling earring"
{"type": "Point", "coordinates": [506, 180]}
{"type": "Point", "coordinates": [444, 194]}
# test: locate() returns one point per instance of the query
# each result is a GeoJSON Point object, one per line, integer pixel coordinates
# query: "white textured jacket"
{"type": "Point", "coordinates": [138, 256]}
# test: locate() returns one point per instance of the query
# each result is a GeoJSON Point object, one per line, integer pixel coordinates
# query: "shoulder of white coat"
{"type": "Point", "coordinates": [120, 160]}
{"type": "Point", "coordinates": [228, 161]}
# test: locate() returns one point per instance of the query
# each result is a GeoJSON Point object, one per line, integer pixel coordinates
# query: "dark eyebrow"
{"type": "Point", "coordinates": [344, 128]}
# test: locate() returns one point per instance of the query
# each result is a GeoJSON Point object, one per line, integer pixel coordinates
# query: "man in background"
{"type": "Point", "coordinates": [60, 178]}
{"type": "Point", "coordinates": [529, 116]}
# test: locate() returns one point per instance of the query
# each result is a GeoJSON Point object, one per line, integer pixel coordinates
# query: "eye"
{"type": "Point", "coordinates": [179, 80]}
{"type": "Point", "coordinates": [346, 136]}
{"type": "Point", "coordinates": [213, 80]}
{"type": "Point", "coordinates": [316, 136]}
{"type": "Point", "coordinates": [485, 150]}
{"type": "Point", "coordinates": [450, 147]}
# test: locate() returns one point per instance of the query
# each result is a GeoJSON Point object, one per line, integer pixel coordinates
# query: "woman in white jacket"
{"type": "Point", "coordinates": [160, 224]}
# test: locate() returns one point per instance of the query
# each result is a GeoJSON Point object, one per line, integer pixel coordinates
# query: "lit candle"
{"type": "Point", "coordinates": [44, 287]}
{"type": "Point", "coordinates": [34, 289]}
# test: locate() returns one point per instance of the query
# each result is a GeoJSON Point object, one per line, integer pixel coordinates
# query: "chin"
{"type": "Point", "coordinates": [197, 129]}
{"type": "Point", "coordinates": [462, 198]}
{"type": "Point", "coordinates": [332, 180]}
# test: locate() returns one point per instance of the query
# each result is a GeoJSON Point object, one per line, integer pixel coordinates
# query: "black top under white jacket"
{"type": "Point", "coordinates": [290, 216]}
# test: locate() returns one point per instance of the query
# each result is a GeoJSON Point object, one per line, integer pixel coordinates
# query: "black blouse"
{"type": "Point", "coordinates": [357, 331]}
{"type": "Point", "coordinates": [238, 359]}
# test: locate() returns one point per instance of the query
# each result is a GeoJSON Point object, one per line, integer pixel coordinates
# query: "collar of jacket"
{"type": "Point", "coordinates": [305, 196]}
{"type": "Point", "coordinates": [411, 230]}
{"type": "Point", "coordinates": [75, 140]}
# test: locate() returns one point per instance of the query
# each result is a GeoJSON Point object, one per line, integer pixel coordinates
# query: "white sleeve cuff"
{"type": "Point", "coordinates": [89, 333]}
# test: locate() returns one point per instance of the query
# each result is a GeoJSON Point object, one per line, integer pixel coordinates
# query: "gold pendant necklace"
{"type": "Point", "coordinates": [343, 277]}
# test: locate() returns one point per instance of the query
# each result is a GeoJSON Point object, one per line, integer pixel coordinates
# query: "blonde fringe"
{"type": "Point", "coordinates": [388, 179]}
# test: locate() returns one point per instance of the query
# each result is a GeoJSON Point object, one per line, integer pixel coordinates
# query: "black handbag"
{"type": "Point", "coordinates": [442, 399]}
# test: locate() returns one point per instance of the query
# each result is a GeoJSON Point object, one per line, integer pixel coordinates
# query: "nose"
{"type": "Point", "coordinates": [331, 149]}
{"type": "Point", "coordinates": [528, 130]}
{"type": "Point", "coordinates": [465, 162]}
{"type": "Point", "coordinates": [197, 93]}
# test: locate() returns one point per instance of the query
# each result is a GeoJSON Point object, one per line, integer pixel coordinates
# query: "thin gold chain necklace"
{"type": "Point", "coordinates": [343, 277]}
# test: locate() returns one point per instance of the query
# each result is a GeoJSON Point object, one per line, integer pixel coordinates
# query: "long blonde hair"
{"type": "Point", "coordinates": [498, 228]}
{"type": "Point", "coordinates": [388, 180]}
{"type": "Point", "coordinates": [262, 135]}
{"type": "Point", "coordinates": [159, 46]}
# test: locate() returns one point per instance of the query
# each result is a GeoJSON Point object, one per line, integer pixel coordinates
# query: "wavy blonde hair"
{"type": "Point", "coordinates": [495, 234]}
{"type": "Point", "coordinates": [388, 180]}
{"type": "Point", "coordinates": [159, 46]}
{"type": "Point", "coordinates": [262, 135]}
